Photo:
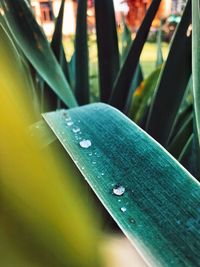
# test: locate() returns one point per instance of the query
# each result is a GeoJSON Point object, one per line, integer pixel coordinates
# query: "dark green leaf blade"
{"type": "Point", "coordinates": [181, 138]}
{"type": "Point", "coordinates": [56, 42]}
{"type": "Point", "coordinates": [156, 203]}
{"type": "Point", "coordinates": [172, 83]}
{"type": "Point", "coordinates": [108, 51]}
{"type": "Point", "coordinates": [81, 55]}
{"type": "Point", "coordinates": [159, 59]}
{"type": "Point", "coordinates": [142, 96]}
{"type": "Point", "coordinates": [35, 46]}
{"type": "Point", "coordinates": [189, 157]}
{"type": "Point", "coordinates": [122, 84]}
{"type": "Point", "coordinates": [196, 64]}
{"type": "Point", "coordinates": [126, 41]}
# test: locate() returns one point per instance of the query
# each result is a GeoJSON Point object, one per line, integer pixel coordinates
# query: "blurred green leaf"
{"type": "Point", "coordinates": [81, 55]}
{"type": "Point", "coordinates": [172, 83]}
{"type": "Point", "coordinates": [14, 77]}
{"type": "Point", "coordinates": [126, 41]}
{"type": "Point", "coordinates": [122, 85]}
{"type": "Point", "coordinates": [143, 95]}
{"type": "Point", "coordinates": [181, 118]}
{"type": "Point", "coordinates": [107, 42]}
{"type": "Point", "coordinates": [137, 79]}
{"type": "Point", "coordinates": [189, 157]}
{"type": "Point", "coordinates": [153, 199]}
{"type": "Point", "coordinates": [46, 216]}
{"type": "Point", "coordinates": [181, 138]}
{"type": "Point", "coordinates": [159, 59]}
{"type": "Point", "coordinates": [35, 46]}
{"type": "Point", "coordinates": [56, 42]}
{"type": "Point", "coordinates": [196, 65]}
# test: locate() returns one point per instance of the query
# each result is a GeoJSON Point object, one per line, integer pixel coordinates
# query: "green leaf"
{"type": "Point", "coordinates": [143, 95]}
{"type": "Point", "coordinates": [153, 199]}
{"type": "Point", "coordinates": [81, 55]}
{"type": "Point", "coordinates": [183, 114]}
{"type": "Point", "coordinates": [159, 59]}
{"type": "Point", "coordinates": [181, 137]}
{"type": "Point", "coordinates": [172, 83]}
{"type": "Point", "coordinates": [44, 211]}
{"type": "Point", "coordinates": [137, 79]}
{"type": "Point", "coordinates": [108, 51]}
{"type": "Point", "coordinates": [126, 41]}
{"type": "Point", "coordinates": [189, 156]}
{"type": "Point", "coordinates": [40, 130]}
{"type": "Point", "coordinates": [35, 46]}
{"type": "Point", "coordinates": [14, 76]}
{"type": "Point", "coordinates": [56, 43]}
{"type": "Point", "coordinates": [196, 63]}
{"type": "Point", "coordinates": [122, 85]}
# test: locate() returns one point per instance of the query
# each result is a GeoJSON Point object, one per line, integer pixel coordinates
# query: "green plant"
{"type": "Point", "coordinates": [149, 194]}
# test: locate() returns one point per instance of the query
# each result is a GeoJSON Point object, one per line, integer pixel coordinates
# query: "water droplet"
{"type": "Point", "coordinates": [93, 162]}
{"type": "Point", "coordinates": [119, 200]}
{"type": "Point", "coordinates": [102, 173]}
{"type": "Point", "coordinates": [83, 168]}
{"type": "Point", "coordinates": [66, 117]}
{"type": "Point", "coordinates": [123, 209]}
{"type": "Point", "coordinates": [118, 190]}
{"type": "Point", "coordinates": [76, 130]}
{"type": "Point", "coordinates": [70, 123]}
{"type": "Point", "coordinates": [132, 221]}
{"type": "Point", "coordinates": [62, 133]}
{"type": "Point", "coordinates": [85, 143]}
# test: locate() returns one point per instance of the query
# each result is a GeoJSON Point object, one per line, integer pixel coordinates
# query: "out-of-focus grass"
{"type": "Point", "coordinates": [148, 60]}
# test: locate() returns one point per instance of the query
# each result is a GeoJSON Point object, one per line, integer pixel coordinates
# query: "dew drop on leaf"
{"type": "Point", "coordinates": [123, 209]}
{"type": "Point", "coordinates": [76, 130]}
{"type": "Point", "coordinates": [70, 123]}
{"type": "Point", "coordinates": [132, 221]}
{"type": "Point", "coordinates": [118, 190]}
{"type": "Point", "coordinates": [85, 143]}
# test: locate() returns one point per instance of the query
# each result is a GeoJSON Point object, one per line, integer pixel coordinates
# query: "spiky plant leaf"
{"type": "Point", "coordinates": [181, 138]}
{"type": "Point", "coordinates": [81, 55]}
{"type": "Point", "coordinates": [13, 76]}
{"type": "Point", "coordinates": [122, 85]}
{"type": "Point", "coordinates": [150, 195]}
{"type": "Point", "coordinates": [159, 59]}
{"type": "Point", "coordinates": [172, 83]}
{"type": "Point", "coordinates": [44, 218]}
{"type": "Point", "coordinates": [195, 68]}
{"type": "Point", "coordinates": [56, 42]}
{"type": "Point", "coordinates": [107, 42]}
{"type": "Point", "coordinates": [143, 95]}
{"type": "Point", "coordinates": [35, 46]}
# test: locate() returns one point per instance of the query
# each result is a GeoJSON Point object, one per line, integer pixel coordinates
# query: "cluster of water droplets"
{"type": "Point", "coordinates": [84, 143]}
{"type": "Point", "coordinates": [119, 191]}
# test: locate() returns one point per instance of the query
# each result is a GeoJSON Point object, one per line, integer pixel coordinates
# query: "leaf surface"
{"type": "Point", "coordinates": [149, 194]}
